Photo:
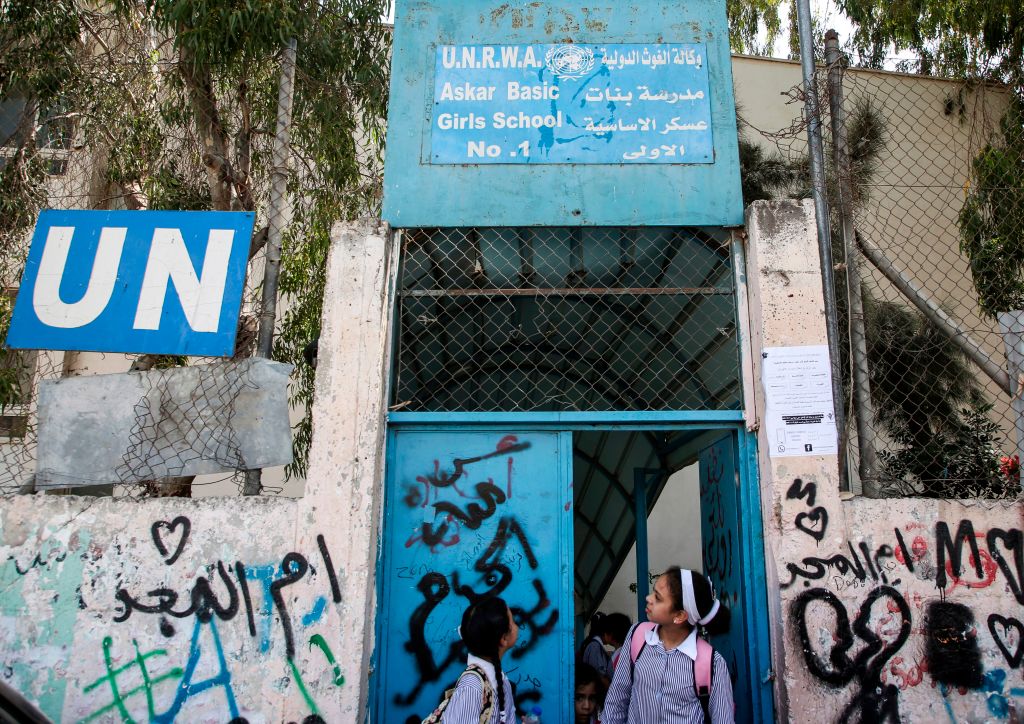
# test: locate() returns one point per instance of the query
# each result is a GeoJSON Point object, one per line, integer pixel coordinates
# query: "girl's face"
{"type": "Point", "coordinates": [511, 636]}
{"type": "Point", "coordinates": [586, 702]}
{"type": "Point", "coordinates": [659, 605]}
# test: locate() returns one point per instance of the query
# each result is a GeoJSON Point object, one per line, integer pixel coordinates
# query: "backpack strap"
{"type": "Point", "coordinates": [637, 642]}
{"type": "Point", "coordinates": [488, 697]}
{"type": "Point", "coordinates": [488, 692]}
{"type": "Point", "coordinates": [702, 669]}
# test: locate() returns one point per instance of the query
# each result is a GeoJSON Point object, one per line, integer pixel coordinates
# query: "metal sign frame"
{"type": "Point", "coordinates": [419, 192]}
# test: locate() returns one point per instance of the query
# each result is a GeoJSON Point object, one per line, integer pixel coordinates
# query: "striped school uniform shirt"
{"type": "Point", "coordinates": [595, 655]}
{"type": "Point", "coordinates": [467, 701]}
{"type": "Point", "coordinates": [661, 686]}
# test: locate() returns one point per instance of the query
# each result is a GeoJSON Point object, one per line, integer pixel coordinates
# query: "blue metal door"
{"type": "Point", "coordinates": [468, 515]}
{"type": "Point", "coordinates": [721, 523]}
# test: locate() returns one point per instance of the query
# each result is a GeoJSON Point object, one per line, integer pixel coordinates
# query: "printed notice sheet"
{"type": "Point", "coordinates": [798, 389]}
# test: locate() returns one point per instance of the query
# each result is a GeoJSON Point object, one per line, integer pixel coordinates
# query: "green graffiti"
{"type": "Point", "coordinates": [118, 696]}
{"type": "Point", "coordinates": [318, 640]}
{"type": "Point", "coordinates": [302, 688]}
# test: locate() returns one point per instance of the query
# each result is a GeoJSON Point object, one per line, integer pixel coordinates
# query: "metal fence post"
{"type": "Point", "coordinates": [863, 407]}
{"type": "Point", "coordinates": [275, 222]}
{"type": "Point", "coordinates": [817, 160]}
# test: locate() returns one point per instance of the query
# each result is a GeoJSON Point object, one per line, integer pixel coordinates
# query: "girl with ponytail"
{"type": "Point", "coordinates": [488, 631]}
{"type": "Point", "coordinates": [655, 678]}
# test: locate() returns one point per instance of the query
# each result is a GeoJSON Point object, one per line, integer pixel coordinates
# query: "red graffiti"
{"type": "Point", "coordinates": [989, 566]}
{"type": "Point", "coordinates": [905, 676]}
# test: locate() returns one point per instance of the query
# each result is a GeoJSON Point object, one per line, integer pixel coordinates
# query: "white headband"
{"type": "Point", "coordinates": [690, 603]}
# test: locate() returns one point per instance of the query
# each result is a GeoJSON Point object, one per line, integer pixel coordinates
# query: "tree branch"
{"type": "Point", "coordinates": [259, 240]}
{"type": "Point", "coordinates": [243, 150]}
{"type": "Point", "coordinates": [199, 86]}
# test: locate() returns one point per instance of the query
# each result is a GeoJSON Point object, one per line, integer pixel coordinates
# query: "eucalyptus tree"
{"type": "Point", "coordinates": [949, 37]}
{"type": "Point", "coordinates": [173, 103]}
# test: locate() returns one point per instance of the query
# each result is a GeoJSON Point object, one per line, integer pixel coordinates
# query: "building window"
{"type": "Point", "coordinates": [50, 128]}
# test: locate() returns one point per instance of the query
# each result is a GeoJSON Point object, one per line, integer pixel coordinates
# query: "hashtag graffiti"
{"type": "Point", "coordinates": [118, 697]}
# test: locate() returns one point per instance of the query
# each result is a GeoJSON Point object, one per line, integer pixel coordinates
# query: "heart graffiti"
{"type": "Point", "coordinates": [1005, 630]}
{"type": "Point", "coordinates": [814, 522]}
{"type": "Point", "coordinates": [158, 536]}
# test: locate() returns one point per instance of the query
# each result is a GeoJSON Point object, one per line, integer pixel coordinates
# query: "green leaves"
{"type": "Point", "coordinates": [176, 101]}
{"type": "Point", "coordinates": [952, 37]}
{"type": "Point", "coordinates": [992, 219]}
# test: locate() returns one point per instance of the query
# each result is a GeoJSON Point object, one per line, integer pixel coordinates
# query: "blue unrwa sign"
{"type": "Point", "coordinates": [163, 282]}
{"type": "Point", "coordinates": [572, 103]}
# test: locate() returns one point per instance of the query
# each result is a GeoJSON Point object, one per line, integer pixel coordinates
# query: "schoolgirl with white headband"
{"type": "Point", "coordinates": [655, 679]}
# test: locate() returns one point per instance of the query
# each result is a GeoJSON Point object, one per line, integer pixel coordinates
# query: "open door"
{"type": "Point", "coordinates": [722, 521]}
{"type": "Point", "coordinates": [469, 515]}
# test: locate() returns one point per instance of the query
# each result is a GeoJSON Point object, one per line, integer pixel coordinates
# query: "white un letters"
{"type": "Point", "coordinates": [201, 296]}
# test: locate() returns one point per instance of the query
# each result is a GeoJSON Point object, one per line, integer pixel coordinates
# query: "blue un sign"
{"type": "Point", "coordinates": [163, 282]}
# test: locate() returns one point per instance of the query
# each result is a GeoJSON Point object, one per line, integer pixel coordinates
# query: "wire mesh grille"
{"type": "Point", "coordinates": [934, 180]}
{"type": "Point", "coordinates": [552, 319]}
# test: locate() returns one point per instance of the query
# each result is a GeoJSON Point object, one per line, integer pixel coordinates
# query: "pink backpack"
{"type": "Point", "coordinates": [701, 668]}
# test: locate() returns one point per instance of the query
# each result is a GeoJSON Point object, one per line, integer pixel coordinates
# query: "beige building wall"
{"type": "Point", "coordinates": [933, 129]}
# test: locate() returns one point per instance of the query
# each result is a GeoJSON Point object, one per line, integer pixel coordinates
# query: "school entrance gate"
{"type": "Point", "coordinates": [567, 337]}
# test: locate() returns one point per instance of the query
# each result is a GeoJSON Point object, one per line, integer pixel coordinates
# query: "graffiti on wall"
{"type": "Point", "coordinates": [148, 683]}
{"type": "Point", "coordinates": [855, 612]}
{"type": "Point", "coordinates": [814, 520]}
{"type": "Point", "coordinates": [470, 542]}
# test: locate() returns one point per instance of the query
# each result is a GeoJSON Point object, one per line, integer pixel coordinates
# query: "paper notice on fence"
{"type": "Point", "coordinates": [800, 419]}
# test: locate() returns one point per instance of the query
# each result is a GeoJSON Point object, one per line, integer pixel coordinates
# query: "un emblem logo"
{"type": "Point", "coordinates": [569, 61]}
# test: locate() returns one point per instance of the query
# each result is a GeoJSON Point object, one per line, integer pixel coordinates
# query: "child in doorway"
{"type": "Point", "coordinates": [659, 683]}
{"type": "Point", "coordinates": [488, 631]}
{"type": "Point", "coordinates": [589, 694]}
{"type": "Point", "coordinates": [605, 630]}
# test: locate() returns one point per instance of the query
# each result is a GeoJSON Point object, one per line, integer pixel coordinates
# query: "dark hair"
{"type": "Point", "coordinates": [617, 626]}
{"type": "Point", "coordinates": [586, 675]}
{"type": "Point", "coordinates": [703, 596]}
{"type": "Point", "coordinates": [597, 624]}
{"type": "Point", "coordinates": [483, 625]}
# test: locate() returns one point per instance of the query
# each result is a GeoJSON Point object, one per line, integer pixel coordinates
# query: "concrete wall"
{"type": "Point", "coordinates": [909, 609]}
{"type": "Point", "coordinates": [218, 609]}
{"type": "Point", "coordinates": [262, 609]}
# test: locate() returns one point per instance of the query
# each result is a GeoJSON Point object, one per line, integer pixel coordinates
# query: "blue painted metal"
{"type": "Point", "coordinates": [579, 104]}
{"type": "Point", "coordinates": [468, 515]}
{"type": "Point", "coordinates": [165, 282]}
{"type": "Point", "coordinates": [704, 419]}
{"type": "Point", "coordinates": [733, 543]}
{"type": "Point", "coordinates": [642, 565]}
{"type": "Point", "coordinates": [755, 581]}
{"type": "Point", "coordinates": [721, 524]}
{"type": "Point", "coordinates": [419, 193]}
{"type": "Point", "coordinates": [643, 480]}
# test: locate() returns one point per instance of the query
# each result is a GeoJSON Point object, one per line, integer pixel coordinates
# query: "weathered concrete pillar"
{"type": "Point", "coordinates": [881, 609]}
{"type": "Point", "coordinates": [787, 309]}
{"type": "Point", "coordinates": [346, 465]}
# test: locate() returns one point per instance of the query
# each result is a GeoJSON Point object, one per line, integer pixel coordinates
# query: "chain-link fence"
{"type": "Point", "coordinates": [46, 168]}
{"type": "Point", "coordinates": [551, 319]}
{"type": "Point", "coordinates": [927, 192]}
{"type": "Point", "coordinates": [138, 108]}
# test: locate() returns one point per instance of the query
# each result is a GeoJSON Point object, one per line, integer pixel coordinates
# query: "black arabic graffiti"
{"type": "Point", "coordinates": [495, 576]}
{"type": "Point", "coordinates": [220, 594]}
{"type": "Point", "coordinates": [873, 701]}
{"type": "Point", "coordinates": [813, 568]}
{"type": "Point", "coordinates": [474, 513]}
